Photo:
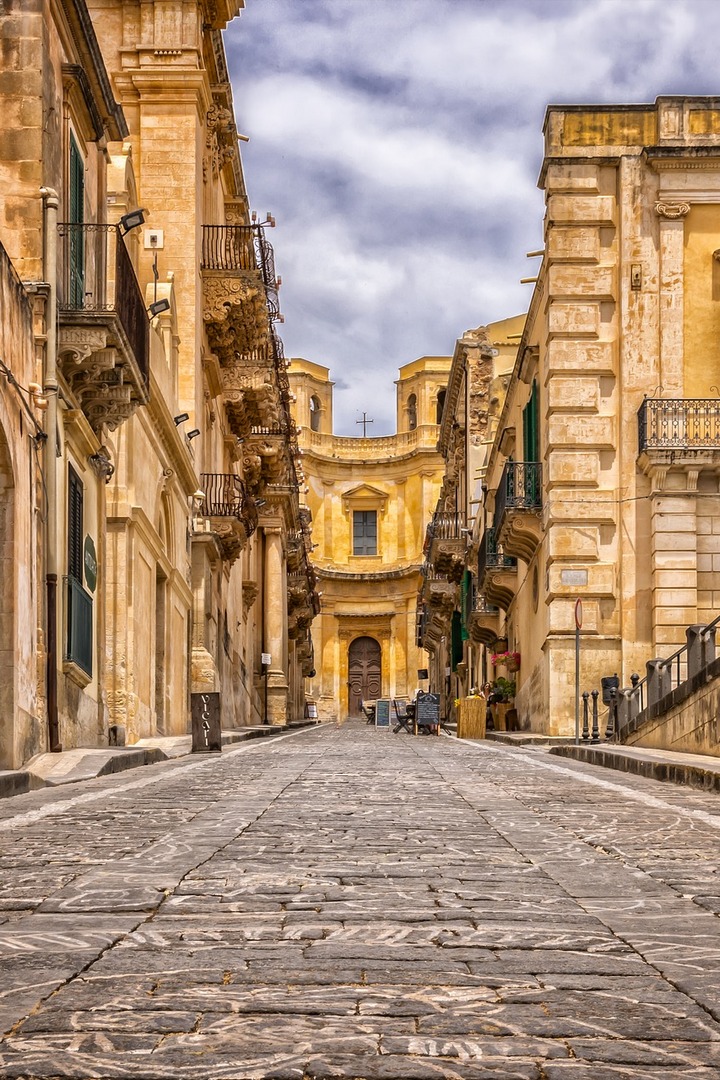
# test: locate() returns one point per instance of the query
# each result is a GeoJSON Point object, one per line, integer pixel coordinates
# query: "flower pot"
{"type": "Point", "coordinates": [512, 665]}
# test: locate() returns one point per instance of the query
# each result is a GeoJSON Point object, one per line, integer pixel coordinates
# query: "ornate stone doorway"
{"type": "Point", "coordinates": [364, 673]}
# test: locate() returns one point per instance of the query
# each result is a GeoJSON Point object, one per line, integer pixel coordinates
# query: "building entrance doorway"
{"type": "Point", "coordinates": [364, 673]}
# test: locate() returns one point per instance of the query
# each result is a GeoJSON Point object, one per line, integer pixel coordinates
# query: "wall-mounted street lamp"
{"type": "Point", "coordinates": [193, 434]}
{"type": "Point", "coordinates": [158, 307]}
{"type": "Point", "coordinates": [181, 418]}
{"type": "Point", "coordinates": [132, 220]}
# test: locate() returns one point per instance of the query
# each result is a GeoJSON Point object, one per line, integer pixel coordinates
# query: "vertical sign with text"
{"type": "Point", "coordinates": [206, 732]}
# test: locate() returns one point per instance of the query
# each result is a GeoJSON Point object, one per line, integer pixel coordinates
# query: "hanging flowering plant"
{"type": "Point", "coordinates": [505, 658]}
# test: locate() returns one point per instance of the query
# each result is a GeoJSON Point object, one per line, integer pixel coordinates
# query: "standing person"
{"type": "Point", "coordinates": [486, 693]}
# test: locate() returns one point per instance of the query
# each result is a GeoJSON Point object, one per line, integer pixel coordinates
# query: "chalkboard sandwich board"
{"type": "Point", "coordinates": [382, 713]}
{"type": "Point", "coordinates": [427, 710]}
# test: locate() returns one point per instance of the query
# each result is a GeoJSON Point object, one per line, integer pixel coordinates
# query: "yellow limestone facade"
{"type": "Point", "coordinates": [369, 499]}
{"type": "Point", "coordinates": [150, 516]}
{"type": "Point", "coordinates": [601, 485]}
{"type": "Point", "coordinates": [454, 619]}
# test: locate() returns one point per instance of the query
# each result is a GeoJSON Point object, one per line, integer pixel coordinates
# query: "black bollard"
{"type": "Point", "coordinates": [612, 715]}
{"type": "Point", "coordinates": [595, 727]}
{"type": "Point", "coordinates": [586, 726]}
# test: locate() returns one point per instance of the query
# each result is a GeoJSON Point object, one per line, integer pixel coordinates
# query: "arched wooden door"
{"type": "Point", "coordinates": [364, 673]}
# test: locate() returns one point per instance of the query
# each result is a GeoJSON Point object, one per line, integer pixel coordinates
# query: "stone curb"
{"type": "Point", "coordinates": [103, 761]}
{"type": "Point", "coordinates": [689, 773]}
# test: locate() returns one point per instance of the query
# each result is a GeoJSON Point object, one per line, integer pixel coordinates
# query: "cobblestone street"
{"type": "Point", "coordinates": [340, 902]}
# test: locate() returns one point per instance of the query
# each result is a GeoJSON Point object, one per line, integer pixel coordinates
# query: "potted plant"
{"type": "Point", "coordinates": [503, 690]}
{"type": "Point", "coordinates": [508, 659]}
{"type": "Point", "coordinates": [501, 703]}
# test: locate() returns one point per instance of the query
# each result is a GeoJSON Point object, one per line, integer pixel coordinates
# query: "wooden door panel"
{"type": "Point", "coordinates": [364, 673]}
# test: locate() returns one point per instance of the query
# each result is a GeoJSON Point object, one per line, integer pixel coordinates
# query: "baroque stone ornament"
{"type": "Point", "coordinates": [672, 210]}
{"type": "Point", "coordinates": [235, 313]}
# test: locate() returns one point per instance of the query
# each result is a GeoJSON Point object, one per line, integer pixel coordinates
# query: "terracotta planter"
{"type": "Point", "coordinates": [512, 665]}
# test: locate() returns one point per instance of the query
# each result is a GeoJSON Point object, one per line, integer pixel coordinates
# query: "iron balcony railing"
{"type": "Point", "coordinates": [679, 423]}
{"type": "Point", "coordinates": [443, 526]}
{"type": "Point", "coordinates": [236, 248]}
{"type": "Point", "coordinates": [482, 607]}
{"type": "Point", "coordinates": [429, 573]}
{"type": "Point", "coordinates": [446, 526]}
{"type": "Point", "coordinates": [227, 496]}
{"type": "Point", "coordinates": [79, 604]}
{"type": "Point", "coordinates": [490, 555]}
{"type": "Point", "coordinates": [520, 488]}
{"type": "Point", "coordinates": [98, 276]}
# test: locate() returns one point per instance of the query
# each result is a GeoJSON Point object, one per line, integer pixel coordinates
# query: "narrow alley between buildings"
{"type": "Point", "coordinates": [342, 902]}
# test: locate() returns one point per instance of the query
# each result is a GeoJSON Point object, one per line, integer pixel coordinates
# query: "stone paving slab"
{"type": "Point", "coordinates": [338, 904]}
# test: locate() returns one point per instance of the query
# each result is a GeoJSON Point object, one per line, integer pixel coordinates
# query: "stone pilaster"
{"type": "Point", "coordinates": [275, 629]}
{"type": "Point", "coordinates": [674, 544]}
{"type": "Point", "coordinates": [671, 292]}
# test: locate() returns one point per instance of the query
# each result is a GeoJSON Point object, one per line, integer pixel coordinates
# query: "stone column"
{"type": "Point", "coordinates": [275, 624]}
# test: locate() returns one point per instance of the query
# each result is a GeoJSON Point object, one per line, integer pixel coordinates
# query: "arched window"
{"type": "Point", "coordinates": [412, 412]}
{"type": "Point", "coordinates": [440, 406]}
{"type": "Point", "coordinates": [314, 413]}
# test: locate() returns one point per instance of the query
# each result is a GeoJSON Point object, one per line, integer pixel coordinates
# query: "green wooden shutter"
{"type": "Point", "coordinates": [466, 592]}
{"type": "Point", "coordinates": [75, 525]}
{"type": "Point", "coordinates": [531, 448]}
{"type": "Point", "coordinates": [457, 640]}
{"type": "Point", "coordinates": [77, 217]}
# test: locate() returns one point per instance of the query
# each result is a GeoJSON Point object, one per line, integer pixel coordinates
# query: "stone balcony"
{"type": "Point", "coordinates": [236, 282]}
{"type": "Point", "coordinates": [497, 572]}
{"type": "Point", "coordinates": [103, 331]}
{"type": "Point", "coordinates": [517, 523]}
{"type": "Point", "coordinates": [482, 622]}
{"type": "Point", "coordinates": [445, 544]}
{"type": "Point", "coordinates": [229, 512]}
{"type": "Point", "coordinates": [682, 434]}
{"type": "Point", "coordinates": [437, 593]}
{"type": "Point", "coordinates": [303, 603]}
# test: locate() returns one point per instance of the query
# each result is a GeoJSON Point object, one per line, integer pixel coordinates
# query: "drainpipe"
{"type": "Point", "coordinates": [50, 391]}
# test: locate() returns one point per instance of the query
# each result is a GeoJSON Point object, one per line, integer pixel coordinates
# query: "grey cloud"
{"type": "Point", "coordinates": [398, 142]}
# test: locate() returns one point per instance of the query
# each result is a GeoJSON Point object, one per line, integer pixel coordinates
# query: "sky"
{"type": "Point", "coordinates": [398, 144]}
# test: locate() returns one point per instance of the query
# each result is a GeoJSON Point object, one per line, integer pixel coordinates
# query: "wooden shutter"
{"type": "Point", "coordinates": [75, 525]}
{"type": "Point", "coordinates": [77, 217]}
{"type": "Point", "coordinates": [531, 448]}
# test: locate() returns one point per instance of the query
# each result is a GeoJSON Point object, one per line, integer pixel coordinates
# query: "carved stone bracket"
{"type": "Point", "coordinates": [672, 210]}
{"type": "Point", "coordinates": [106, 388]}
{"type": "Point", "coordinates": [249, 594]}
{"type": "Point", "coordinates": [235, 313]}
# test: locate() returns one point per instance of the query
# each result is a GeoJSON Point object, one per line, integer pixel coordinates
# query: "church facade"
{"type": "Point", "coordinates": [370, 499]}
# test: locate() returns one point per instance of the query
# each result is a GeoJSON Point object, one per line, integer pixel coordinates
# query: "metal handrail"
{"type": "Point", "coordinates": [679, 423]}
{"type": "Point", "coordinates": [672, 670]}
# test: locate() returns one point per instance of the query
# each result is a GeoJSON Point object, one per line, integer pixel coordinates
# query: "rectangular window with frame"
{"type": "Point", "coordinates": [79, 645]}
{"type": "Point", "coordinates": [365, 532]}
